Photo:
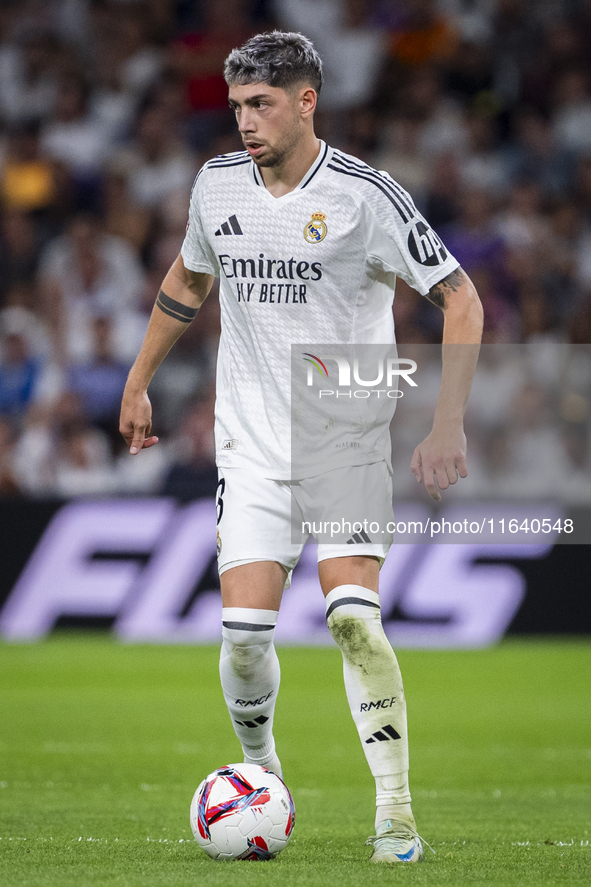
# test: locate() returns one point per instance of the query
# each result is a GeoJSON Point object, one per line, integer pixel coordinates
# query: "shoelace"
{"type": "Point", "coordinates": [401, 835]}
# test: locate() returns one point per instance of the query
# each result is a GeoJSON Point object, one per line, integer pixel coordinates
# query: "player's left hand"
{"type": "Point", "coordinates": [439, 459]}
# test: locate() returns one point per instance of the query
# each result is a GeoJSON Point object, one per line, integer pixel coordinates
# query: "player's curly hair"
{"type": "Point", "coordinates": [279, 58]}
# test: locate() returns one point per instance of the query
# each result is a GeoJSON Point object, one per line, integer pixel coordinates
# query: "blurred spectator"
{"type": "Point", "coordinates": [19, 376]}
{"type": "Point", "coordinates": [501, 374]}
{"type": "Point", "coordinates": [34, 453]}
{"type": "Point", "coordinates": [194, 473]}
{"type": "Point", "coordinates": [572, 110]}
{"type": "Point", "coordinates": [86, 273]}
{"type": "Point", "coordinates": [496, 467]}
{"type": "Point", "coordinates": [567, 242]}
{"type": "Point", "coordinates": [535, 314]}
{"type": "Point", "coordinates": [442, 203]}
{"type": "Point", "coordinates": [538, 457]}
{"type": "Point", "coordinates": [123, 218]}
{"type": "Point", "coordinates": [582, 23]}
{"type": "Point", "coordinates": [351, 46]}
{"type": "Point", "coordinates": [8, 485]}
{"type": "Point", "coordinates": [561, 49]}
{"type": "Point", "coordinates": [583, 185]}
{"type": "Point", "coordinates": [501, 320]}
{"type": "Point", "coordinates": [198, 57]}
{"type": "Point", "coordinates": [515, 43]}
{"type": "Point", "coordinates": [535, 154]}
{"type": "Point", "coordinates": [469, 75]}
{"type": "Point", "coordinates": [99, 383]}
{"type": "Point", "coordinates": [112, 106]}
{"type": "Point", "coordinates": [135, 476]}
{"type": "Point", "coordinates": [19, 252]}
{"type": "Point", "coordinates": [522, 225]}
{"type": "Point", "coordinates": [27, 180]}
{"type": "Point", "coordinates": [473, 238]}
{"type": "Point", "coordinates": [75, 138]}
{"type": "Point", "coordinates": [424, 35]}
{"type": "Point", "coordinates": [579, 329]}
{"type": "Point", "coordinates": [575, 483]}
{"type": "Point", "coordinates": [189, 370]}
{"type": "Point", "coordinates": [70, 20]}
{"type": "Point", "coordinates": [419, 96]}
{"type": "Point", "coordinates": [407, 304]}
{"type": "Point", "coordinates": [484, 165]}
{"type": "Point", "coordinates": [60, 454]}
{"type": "Point", "coordinates": [18, 317]}
{"type": "Point", "coordinates": [28, 76]}
{"type": "Point", "coordinates": [138, 58]}
{"type": "Point", "coordinates": [157, 164]}
{"type": "Point", "coordinates": [471, 18]}
{"type": "Point", "coordinates": [400, 156]}
{"type": "Point", "coordinates": [28, 378]}
{"type": "Point", "coordinates": [362, 133]}
{"type": "Point", "coordinates": [82, 464]}
{"type": "Point", "coordinates": [126, 64]}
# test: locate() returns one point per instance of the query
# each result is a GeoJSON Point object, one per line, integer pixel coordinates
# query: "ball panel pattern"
{"type": "Point", "coordinates": [242, 811]}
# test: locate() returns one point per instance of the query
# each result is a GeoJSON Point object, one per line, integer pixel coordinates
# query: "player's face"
{"type": "Point", "coordinates": [269, 119]}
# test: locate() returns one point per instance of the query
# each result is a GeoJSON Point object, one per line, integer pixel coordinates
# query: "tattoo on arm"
{"type": "Point", "coordinates": [175, 309]}
{"type": "Point", "coordinates": [437, 294]}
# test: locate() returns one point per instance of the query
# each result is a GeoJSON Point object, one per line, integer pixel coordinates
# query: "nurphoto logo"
{"type": "Point", "coordinates": [387, 370]}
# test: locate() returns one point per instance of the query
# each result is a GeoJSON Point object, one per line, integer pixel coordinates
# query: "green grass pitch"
{"type": "Point", "coordinates": [103, 745]}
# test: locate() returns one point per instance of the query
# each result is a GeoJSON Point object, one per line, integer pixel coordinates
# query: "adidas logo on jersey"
{"type": "Point", "coordinates": [384, 735]}
{"type": "Point", "coordinates": [230, 444]}
{"type": "Point", "coordinates": [232, 226]}
{"type": "Point", "coordinates": [358, 537]}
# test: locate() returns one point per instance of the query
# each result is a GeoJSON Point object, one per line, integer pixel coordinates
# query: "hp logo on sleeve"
{"type": "Point", "coordinates": [425, 246]}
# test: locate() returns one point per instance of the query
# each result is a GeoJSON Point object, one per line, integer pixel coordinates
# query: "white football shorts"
{"type": "Point", "coordinates": [348, 511]}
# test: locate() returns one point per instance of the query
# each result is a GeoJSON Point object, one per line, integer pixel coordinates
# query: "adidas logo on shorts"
{"type": "Point", "coordinates": [358, 537]}
{"type": "Point", "coordinates": [230, 444]}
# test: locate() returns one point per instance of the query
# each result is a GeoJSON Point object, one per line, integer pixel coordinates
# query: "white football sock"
{"type": "Point", "coordinates": [376, 697]}
{"type": "Point", "coordinates": [250, 675]}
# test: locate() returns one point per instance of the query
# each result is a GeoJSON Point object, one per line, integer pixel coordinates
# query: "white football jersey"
{"type": "Point", "coordinates": [318, 265]}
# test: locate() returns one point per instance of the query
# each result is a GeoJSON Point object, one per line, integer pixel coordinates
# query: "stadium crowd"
{"type": "Point", "coordinates": [480, 108]}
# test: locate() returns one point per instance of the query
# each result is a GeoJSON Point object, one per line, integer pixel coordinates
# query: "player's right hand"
{"type": "Point", "coordinates": [135, 423]}
{"type": "Point", "coordinates": [440, 458]}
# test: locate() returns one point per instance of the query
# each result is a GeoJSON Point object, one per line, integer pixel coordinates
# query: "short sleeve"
{"type": "Point", "coordinates": [399, 239]}
{"type": "Point", "coordinates": [196, 253]}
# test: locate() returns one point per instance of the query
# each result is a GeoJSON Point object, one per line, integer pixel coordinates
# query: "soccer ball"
{"type": "Point", "coordinates": [242, 811]}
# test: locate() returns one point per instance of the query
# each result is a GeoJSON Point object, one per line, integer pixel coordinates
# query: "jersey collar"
{"type": "Point", "coordinates": [314, 171]}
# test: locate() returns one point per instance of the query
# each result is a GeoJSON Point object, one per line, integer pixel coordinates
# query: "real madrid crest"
{"type": "Point", "coordinates": [315, 230]}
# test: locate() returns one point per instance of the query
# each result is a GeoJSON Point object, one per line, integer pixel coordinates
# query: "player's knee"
{"type": "Point", "coordinates": [354, 621]}
{"type": "Point", "coordinates": [245, 658]}
{"type": "Point", "coordinates": [246, 650]}
{"type": "Point", "coordinates": [357, 636]}
{"type": "Point", "coordinates": [247, 639]}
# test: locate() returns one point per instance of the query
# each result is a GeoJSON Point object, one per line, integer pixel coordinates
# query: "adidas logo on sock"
{"type": "Point", "coordinates": [358, 537]}
{"type": "Point", "coordinates": [381, 736]}
{"type": "Point", "coordinates": [258, 722]}
{"type": "Point", "coordinates": [232, 226]}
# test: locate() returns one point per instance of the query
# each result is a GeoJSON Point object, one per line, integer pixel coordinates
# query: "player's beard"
{"type": "Point", "coordinates": [276, 155]}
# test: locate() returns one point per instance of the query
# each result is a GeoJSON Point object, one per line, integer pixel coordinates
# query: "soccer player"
{"type": "Point", "coordinates": [307, 243]}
